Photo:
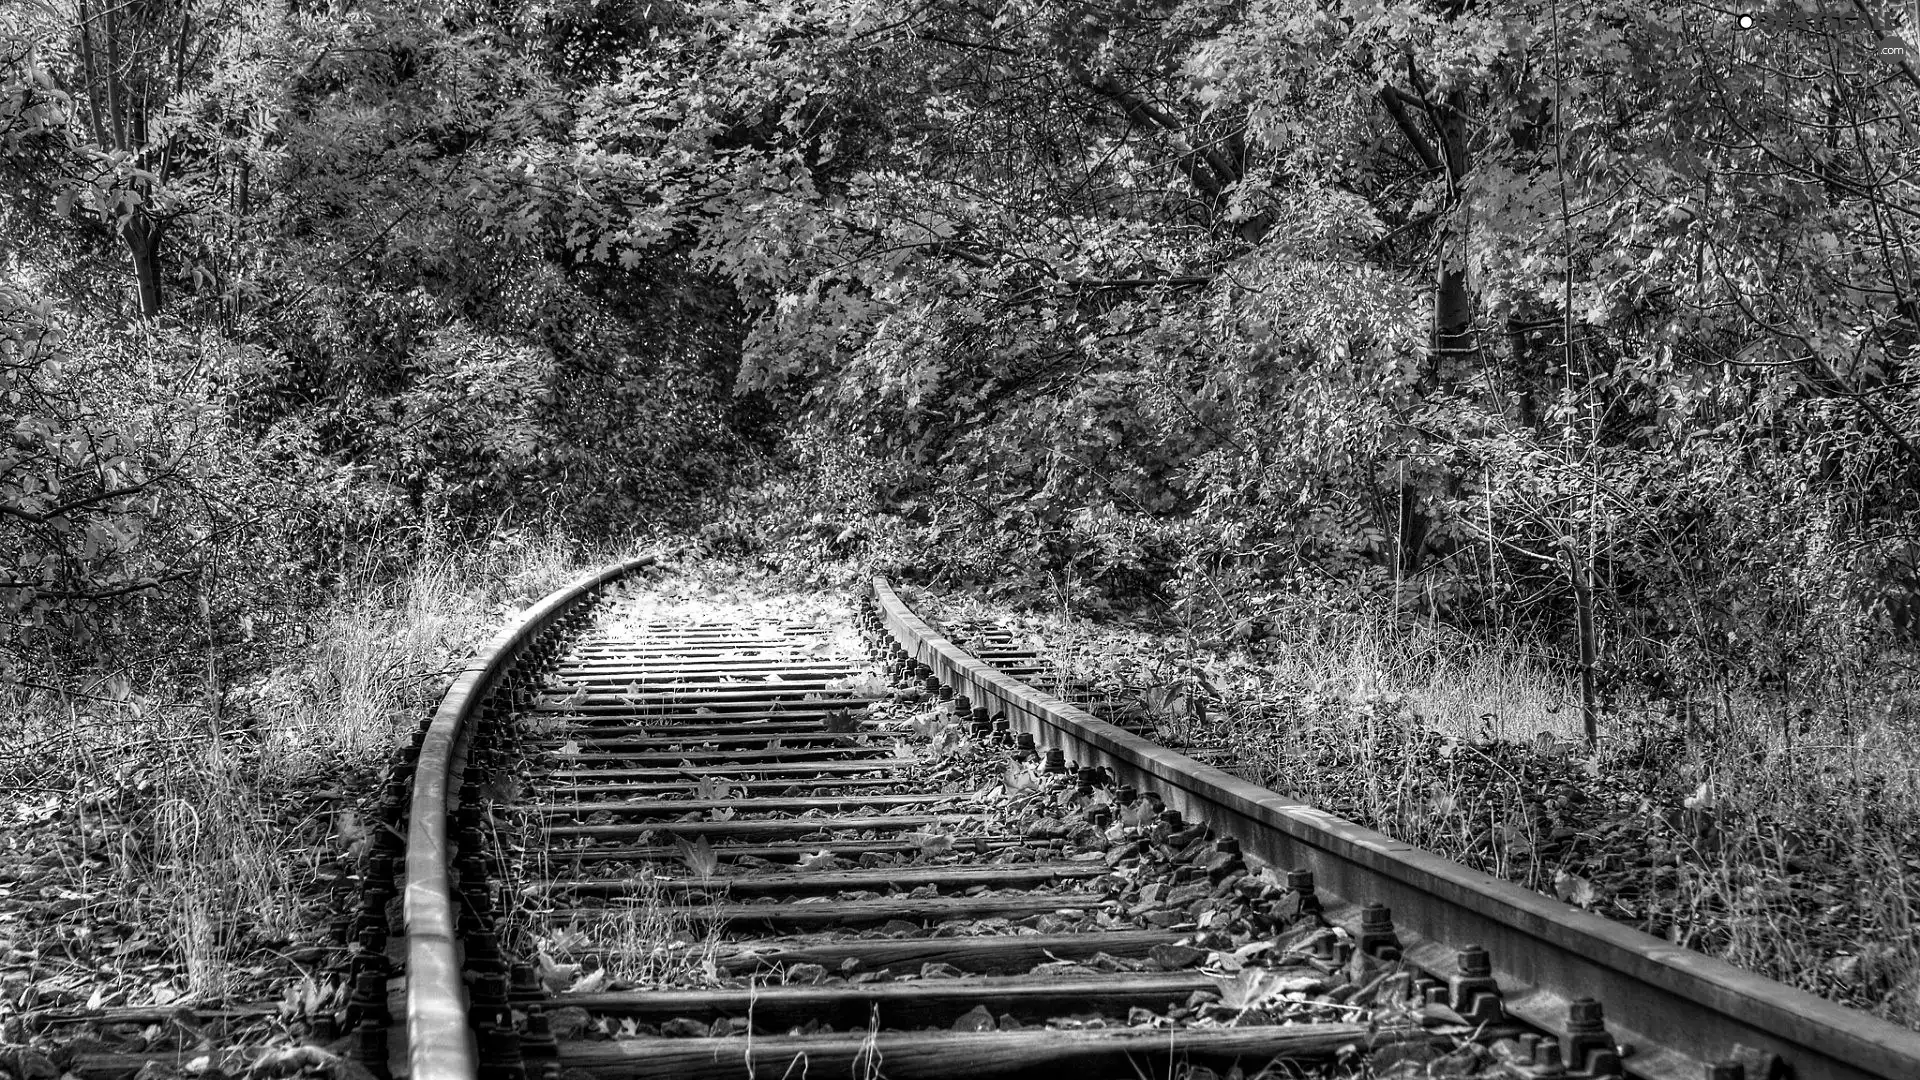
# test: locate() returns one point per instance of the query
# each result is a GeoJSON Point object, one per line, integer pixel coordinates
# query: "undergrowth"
{"type": "Point", "coordinates": [170, 844]}
{"type": "Point", "coordinates": [1776, 829]}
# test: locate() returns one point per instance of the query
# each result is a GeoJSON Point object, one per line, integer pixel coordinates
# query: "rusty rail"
{"type": "Point", "coordinates": [1680, 1011]}
{"type": "Point", "coordinates": [439, 1044]}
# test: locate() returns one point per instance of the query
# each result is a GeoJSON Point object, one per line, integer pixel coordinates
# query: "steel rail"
{"type": "Point", "coordinates": [439, 1044]}
{"type": "Point", "coordinates": [1678, 1010]}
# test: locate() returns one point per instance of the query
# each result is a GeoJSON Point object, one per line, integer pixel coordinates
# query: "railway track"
{"type": "Point", "coordinates": [654, 841]}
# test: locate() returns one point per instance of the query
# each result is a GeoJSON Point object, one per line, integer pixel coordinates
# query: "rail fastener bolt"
{"type": "Point", "coordinates": [1226, 860]}
{"type": "Point", "coordinates": [1376, 935]}
{"type": "Point", "coordinates": [538, 1043]}
{"type": "Point", "coordinates": [1088, 780]}
{"type": "Point", "coordinates": [1472, 991]}
{"type": "Point", "coordinates": [483, 958]}
{"type": "Point", "coordinates": [370, 1047]}
{"type": "Point", "coordinates": [380, 871]}
{"type": "Point", "coordinates": [397, 796]}
{"type": "Point", "coordinates": [1331, 947]}
{"type": "Point", "coordinates": [1056, 760]}
{"type": "Point", "coordinates": [500, 1053]}
{"type": "Point", "coordinates": [523, 983]}
{"type": "Point", "coordinates": [389, 841]}
{"type": "Point", "coordinates": [1588, 1047]}
{"type": "Point", "coordinates": [486, 991]}
{"type": "Point", "coordinates": [371, 936]}
{"type": "Point", "coordinates": [369, 1001]}
{"type": "Point", "coordinates": [1547, 1061]}
{"type": "Point", "coordinates": [381, 911]}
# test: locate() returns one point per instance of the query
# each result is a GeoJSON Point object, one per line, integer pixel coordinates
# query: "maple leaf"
{"type": "Point", "coordinates": [933, 843]}
{"type": "Point", "coordinates": [1573, 889]}
{"type": "Point", "coordinates": [699, 856]}
{"type": "Point", "coordinates": [591, 983]}
{"type": "Point", "coordinates": [713, 789]}
{"type": "Point", "coordinates": [554, 976]}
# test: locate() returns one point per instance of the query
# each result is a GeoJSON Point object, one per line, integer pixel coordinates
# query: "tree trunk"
{"type": "Point", "coordinates": [1452, 305]}
{"type": "Point", "coordinates": [1453, 338]}
{"type": "Point", "coordinates": [143, 247]}
{"type": "Point", "coordinates": [1414, 527]}
{"type": "Point", "coordinates": [1577, 569]}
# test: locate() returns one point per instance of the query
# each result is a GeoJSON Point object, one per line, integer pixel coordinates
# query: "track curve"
{"type": "Point", "coordinates": [816, 867]}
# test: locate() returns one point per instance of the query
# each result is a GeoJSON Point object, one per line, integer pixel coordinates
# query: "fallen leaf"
{"type": "Point", "coordinates": [699, 856]}
{"type": "Point", "coordinates": [554, 976]}
{"type": "Point", "coordinates": [933, 843]}
{"type": "Point", "coordinates": [591, 983]}
{"type": "Point", "coordinates": [1573, 889]}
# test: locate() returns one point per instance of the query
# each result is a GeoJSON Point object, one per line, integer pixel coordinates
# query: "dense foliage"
{"type": "Point", "coordinates": [1590, 319]}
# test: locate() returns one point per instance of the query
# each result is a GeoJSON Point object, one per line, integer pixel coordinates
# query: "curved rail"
{"type": "Point", "coordinates": [1546, 954]}
{"type": "Point", "coordinates": [439, 1044]}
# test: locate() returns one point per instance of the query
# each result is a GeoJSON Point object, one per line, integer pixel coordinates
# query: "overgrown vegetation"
{"type": "Point", "coordinates": [1582, 327]}
{"type": "Point", "coordinates": [158, 850]}
{"type": "Point", "coordinates": [1799, 861]}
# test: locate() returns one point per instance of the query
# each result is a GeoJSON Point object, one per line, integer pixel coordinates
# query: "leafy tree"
{"type": "Point", "coordinates": [148, 116]}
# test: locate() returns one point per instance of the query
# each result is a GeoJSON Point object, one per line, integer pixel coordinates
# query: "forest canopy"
{"type": "Point", "coordinates": [1592, 320]}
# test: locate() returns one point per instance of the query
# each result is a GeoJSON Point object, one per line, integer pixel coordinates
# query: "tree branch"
{"type": "Point", "coordinates": [68, 508]}
{"type": "Point", "coordinates": [1209, 171]}
{"type": "Point", "coordinates": [1396, 106]}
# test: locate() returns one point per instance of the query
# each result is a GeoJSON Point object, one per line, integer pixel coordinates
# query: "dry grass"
{"type": "Point", "coordinates": [208, 836]}
{"type": "Point", "coordinates": [645, 938]}
{"type": "Point", "coordinates": [1777, 830]}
